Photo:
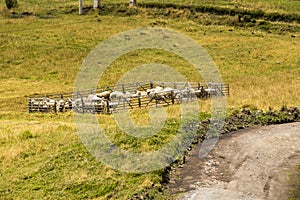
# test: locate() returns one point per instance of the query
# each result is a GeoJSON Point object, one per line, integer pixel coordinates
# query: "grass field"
{"type": "Point", "coordinates": [288, 6]}
{"type": "Point", "coordinates": [262, 68]}
{"type": "Point", "coordinates": [41, 156]}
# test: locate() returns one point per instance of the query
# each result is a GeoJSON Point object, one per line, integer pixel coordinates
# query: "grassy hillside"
{"type": "Point", "coordinates": [288, 6]}
{"type": "Point", "coordinates": [41, 156]}
{"type": "Point", "coordinates": [260, 66]}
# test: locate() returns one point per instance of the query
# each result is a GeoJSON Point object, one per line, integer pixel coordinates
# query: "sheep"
{"type": "Point", "coordinates": [78, 105]}
{"type": "Point", "coordinates": [159, 94]}
{"type": "Point", "coordinates": [60, 106]}
{"type": "Point", "coordinates": [188, 93]}
{"type": "Point", "coordinates": [42, 104]}
{"type": "Point", "coordinates": [120, 96]}
{"type": "Point", "coordinates": [201, 93]}
{"type": "Point", "coordinates": [211, 91]}
{"type": "Point", "coordinates": [168, 92]}
{"type": "Point", "coordinates": [104, 94]}
{"type": "Point", "coordinates": [93, 97]}
{"type": "Point", "coordinates": [153, 93]}
{"type": "Point", "coordinates": [177, 95]}
{"type": "Point", "coordinates": [68, 104]}
{"type": "Point", "coordinates": [116, 97]}
{"type": "Point", "coordinates": [140, 94]}
{"type": "Point", "coordinates": [49, 102]}
{"type": "Point", "coordinates": [33, 105]}
{"type": "Point", "coordinates": [96, 103]}
{"type": "Point", "coordinates": [92, 103]}
{"type": "Point", "coordinates": [113, 105]}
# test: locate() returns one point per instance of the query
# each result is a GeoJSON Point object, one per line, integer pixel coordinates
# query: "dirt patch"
{"type": "Point", "coordinates": [247, 164]}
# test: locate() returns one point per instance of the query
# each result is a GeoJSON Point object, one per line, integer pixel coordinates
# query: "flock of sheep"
{"type": "Point", "coordinates": [110, 101]}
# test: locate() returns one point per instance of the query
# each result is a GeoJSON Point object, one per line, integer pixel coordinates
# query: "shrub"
{"type": "Point", "coordinates": [26, 135]}
{"type": "Point", "coordinates": [11, 3]}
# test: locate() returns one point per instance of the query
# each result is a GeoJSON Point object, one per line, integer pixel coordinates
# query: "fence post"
{"type": "Point", "coordinates": [123, 89]}
{"type": "Point", "coordinates": [96, 3]}
{"type": "Point", "coordinates": [139, 101]}
{"type": "Point", "coordinates": [107, 106]}
{"type": "Point", "coordinates": [173, 97]}
{"type": "Point", "coordinates": [151, 84]}
{"type": "Point", "coordinates": [222, 89]}
{"type": "Point", "coordinates": [80, 7]}
{"type": "Point", "coordinates": [228, 89]}
{"type": "Point", "coordinates": [29, 105]}
{"type": "Point", "coordinates": [82, 104]}
{"type": "Point", "coordinates": [55, 106]}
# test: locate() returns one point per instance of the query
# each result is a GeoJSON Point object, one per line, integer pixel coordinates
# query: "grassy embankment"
{"type": "Point", "coordinates": [294, 181]}
{"type": "Point", "coordinates": [41, 155]}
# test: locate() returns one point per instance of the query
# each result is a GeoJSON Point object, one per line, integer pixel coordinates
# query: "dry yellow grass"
{"type": "Point", "coordinates": [261, 68]}
{"type": "Point", "coordinates": [44, 55]}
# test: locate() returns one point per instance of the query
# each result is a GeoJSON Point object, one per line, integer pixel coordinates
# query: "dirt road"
{"type": "Point", "coordinates": [248, 164]}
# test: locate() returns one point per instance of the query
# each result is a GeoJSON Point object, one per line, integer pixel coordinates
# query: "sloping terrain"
{"type": "Point", "coordinates": [248, 164]}
{"type": "Point", "coordinates": [43, 44]}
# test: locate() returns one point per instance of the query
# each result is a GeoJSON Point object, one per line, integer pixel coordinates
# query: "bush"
{"type": "Point", "coordinates": [11, 3]}
{"type": "Point", "coordinates": [26, 135]}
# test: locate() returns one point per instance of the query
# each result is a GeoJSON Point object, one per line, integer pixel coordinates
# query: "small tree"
{"type": "Point", "coordinates": [11, 3]}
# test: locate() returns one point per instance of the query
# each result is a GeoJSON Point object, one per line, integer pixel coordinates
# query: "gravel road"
{"type": "Point", "coordinates": [247, 164]}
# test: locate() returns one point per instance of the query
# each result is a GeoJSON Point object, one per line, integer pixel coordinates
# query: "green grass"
{"type": "Point", "coordinates": [41, 155]}
{"type": "Point", "coordinates": [42, 159]}
{"type": "Point", "coordinates": [261, 67]}
{"type": "Point", "coordinates": [294, 181]}
{"type": "Point", "coordinates": [288, 6]}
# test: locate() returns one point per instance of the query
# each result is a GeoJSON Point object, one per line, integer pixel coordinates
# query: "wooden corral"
{"type": "Point", "coordinates": [126, 96]}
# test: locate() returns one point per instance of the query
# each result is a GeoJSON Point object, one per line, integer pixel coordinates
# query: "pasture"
{"type": "Point", "coordinates": [288, 6]}
{"type": "Point", "coordinates": [42, 46]}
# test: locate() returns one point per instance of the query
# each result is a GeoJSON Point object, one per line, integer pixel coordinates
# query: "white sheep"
{"type": "Point", "coordinates": [153, 92]}
{"type": "Point", "coordinates": [168, 92]}
{"type": "Point", "coordinates": [60, 106]}
{"type": "Point", "coordinates": [92, 103]}
{"type": "Point", "coordinates": [68, 104]}
{"type": "Point", "coordinates": [159, 94]}
{"type": "Point", "coordinates": [120, 96]}
{"type": "Point", "coordinates": [42, 104]}
{"type": "Point", "coordinates": [211, 91]}
{"type": "Point", "coordinates": [177, 95]}
{"type": "Point", "coordinates": [140, 94]}
{"type": "Point", "coordinates": [116, 97]}
{"type": "Point", "coordinates": [188, 93]}
{"type": "Point", "coordinates": [104, 94]}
